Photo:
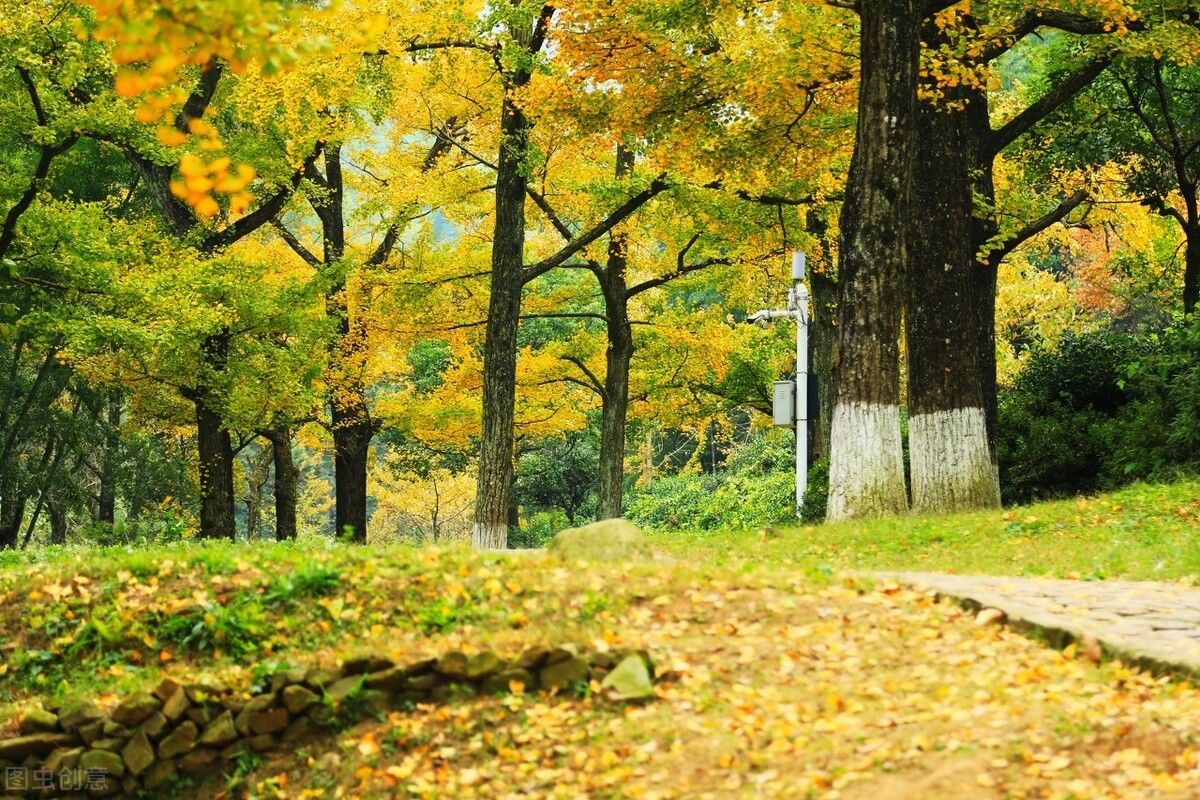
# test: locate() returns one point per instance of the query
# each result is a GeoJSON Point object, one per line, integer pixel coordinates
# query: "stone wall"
{"type": "Point", "coordinates": [194, 729]}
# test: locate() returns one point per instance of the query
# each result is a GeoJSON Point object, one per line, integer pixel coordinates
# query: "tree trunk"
{"type": "Point", "coordinates": [216, 474]}
{"type": "Point", "coordinates": [12, 513]}
{"type": "Point", "coordinates": [949, 454]}
{"type": "Point", "coordinates": [351, 447]}
{"type": "Point", "coordinates": [58, 522]}
{"type": "Point", "coordinates": [495, 479]}
{"type": "Point", "coordinates": [866, 470]}
{"type": "Point", "coordinates": [106, 506]}
{"type": "Point", "coordinates": [285, 484]}
{"type": "Point", "coordinates": [614, 408]}
{"type": "Point", "coordinates": [1191, 269]}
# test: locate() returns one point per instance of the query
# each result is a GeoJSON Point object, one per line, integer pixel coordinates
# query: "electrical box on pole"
{"type": "Point", "coordinates": [783, 404]}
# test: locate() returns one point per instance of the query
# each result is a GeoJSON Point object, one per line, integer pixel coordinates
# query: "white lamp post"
{"type": "Point", "coordinates": [790, 401]}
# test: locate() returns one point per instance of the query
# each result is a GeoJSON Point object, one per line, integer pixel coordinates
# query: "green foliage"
{"type": "Point", "coordinates": [757, 487]}
{"type": "Point", "coordinates": [235, 629]}
{"type": "Point", "coordinates": [310, 579]}
{"type": "Point", "coordinates": [816, 493]}
{"type": "Point", "coordinates": [560, 473]}
{"type": "Point", "coordinates": [538, 531]}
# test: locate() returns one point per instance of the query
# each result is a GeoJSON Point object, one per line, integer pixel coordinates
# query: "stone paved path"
{"type": "Point", "coordinates": [1155, 624]}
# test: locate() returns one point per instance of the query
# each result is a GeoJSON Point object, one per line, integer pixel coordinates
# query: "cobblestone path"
{"type": "Point", "coordinates": [1154, 624]}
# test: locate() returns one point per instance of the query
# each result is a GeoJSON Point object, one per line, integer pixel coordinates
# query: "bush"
{"type": "Point", "coordinates": [757, 488]}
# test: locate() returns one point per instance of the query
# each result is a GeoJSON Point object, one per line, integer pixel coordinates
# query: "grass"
{"type": "Point", "coordinates": [1143, 532]}
{"type": "Point", "coordinates": [777, 678]}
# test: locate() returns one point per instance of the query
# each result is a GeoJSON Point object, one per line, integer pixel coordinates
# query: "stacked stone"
{"type": "Point", "coordinates": [193, 729]}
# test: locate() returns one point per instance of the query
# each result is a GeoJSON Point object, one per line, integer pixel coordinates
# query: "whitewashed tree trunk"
{"type": "Point", "coordinates": [866, 464]}
{"type": "Point", "coordinates": [951, 462]}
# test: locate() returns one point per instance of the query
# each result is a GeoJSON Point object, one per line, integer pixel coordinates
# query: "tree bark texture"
{"type": "Point", "coordinates": [216, 474]}
{"type": "Point", "coordinates": [106, 506]}
{"type": "Point", "coordinates": [949, 454]}
{"type": "Point", "coordinates": [866, 457]}
{"type": "Point", "coordinates": [285, 483]}
{"type": "Point", "coordinates": [1191, 269]}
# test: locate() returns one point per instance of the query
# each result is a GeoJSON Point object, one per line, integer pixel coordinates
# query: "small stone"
{"type": "Point", "coordinates": [105, 760]}
{"type": "Point", "coordinates": [250, 709]}
{"type": "Point", "coordinates": [138, 754]}
{"type": "Point", "coordinates": [38, 720]}
{"type": "Point", "coordinates": [988, 616]}
{"type": "Point", "coordinates": [363, 664]}
{"type": "Point", "coordinates": [388, 680]}
{"type": "Point", "coordinates": [297, 698]}
{"type": "Point", "coordinates": [297, 730]}
{"type": "Point", "coordinates": [36, 744]}
{"type": "Point", "coordinates": [198, 762]}
{"type": "Point", "coordinates": [609, 540]}
{"type": "Point", "coordinates": [166, 689]}
{"type": "Point", "coordinates": [262, 743]}
{"type": "Point", "coordinates": [269, 721]}
{"type": "Point", "coordinates": [136, 709]}
{"type": "Point", "coordinates": [629, 680]}
{"type": "Point", "coordinates": [453, 665]}
{"type": "Point", "coordinates": [155, 725]}
{"type": "Point", "coordinates": [179, 741]}
{"type": "Point", "coordinates": [115, 730]}
{"type": "Point", "coordinates": [502, 683]}
{"type": "Point", "coordinates": [175, 704]}
{"type": "Point", "coordinates": [533, 657]}
{"type": "Point", "coordinates": [91, 732]}
{"type": "Point", "coordinates": [561, 653]}
{"type": "Point", "coordinates": [221, 731]}
{"type": "Point", "coordinates": [562, 674]}
{"type": "Point", "coordinates": [110, 744]}
{"type": "Point", "coordinates": [63, 758]}
{"type": "Point", "coordinates": [318, 677]}
{"type": "Point", "coordinates": [201, 715]}
{"type": "Point", "coordinates": [343, 688]}
{"type": "Point", "coordinates": [79, 715]}
{"type": "Point", "coordinates": [159, 773]}
{"type": "Point", "coordinates": [482, 665]}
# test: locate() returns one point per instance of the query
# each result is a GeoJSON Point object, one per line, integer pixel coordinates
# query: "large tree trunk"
{"type": "Point", "coordinates": [500, 345]}
{"type": "Point", "coordinates": [351, 448]}
{"type": "Point", "coordinates": [216, 475]}
{"type": "Point", "coordinates": [615, 400]}
{"type": "Point", "coordinates": [12, 513]}
{"type": "Point", "coordinates": [822, 335]}
{"type": "Point", "coordinates": [866, 470]}
{"type": "Point", "coordinates": [949, 454]}
{"type": "Point", "coordinates": [58, 521]}
{"type": "Point", "coordinates": [285, 484]}
{"type": "Point", "coordinates": [106, 506]}
{"type": "Point", "coordinates": [1191, 269]}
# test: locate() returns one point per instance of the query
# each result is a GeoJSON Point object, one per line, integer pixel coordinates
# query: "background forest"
{"type": "Point", "coordinates": [398, 271]}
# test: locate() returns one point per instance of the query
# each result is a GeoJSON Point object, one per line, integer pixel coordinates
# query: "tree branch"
{"type": "Point", "coordinates": [297, 246]}
{"type": "Point", "coordinates": [594, 384]}
{"type": "Point", "coordinates": [994, 257]}
{"type": "Point", "coordinates": [1054, 99]}
{"type": "Point", "coordinates": [1033, 18]}
{"type": "Point", "coordinates": [269, 209]}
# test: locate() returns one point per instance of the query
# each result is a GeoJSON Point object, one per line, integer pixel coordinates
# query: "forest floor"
{"type": "Point", "coordinates": [773, 680]}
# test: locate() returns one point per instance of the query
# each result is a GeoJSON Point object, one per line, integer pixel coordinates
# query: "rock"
{"type": "Point", "coordinates": [269, 721]}
{"type": "Point", "coordinates": [1090, 649]}
{"type": "Point", "coordinates": [35, 744]}
{"type": "Point", "coordinates": [606, 660]}
{"type": "Point", "coordinates": [175, 704]}
{"type": "Point", "coordinates": [201, 715]}
{"type": "Point", "coordinates": [250, 709]}
{"type": "Point", "coordinates": [135, 709]}
{"type": "Point", "coordinates": [451, 691]}
{"type": "Point", "coordinates": [374, 702]}
{"type": "Point", "coordinates": [63, 758]}
{"type": "Point", "coordinates": [629, 680]}
{"type": "Point", "coordinates": [989, 615]}
{"type": "Point", "coordinates": [561, 653]}
{"type": "Point", "coordinates": [154, 725]}
{"type": "Point", "coordinates": [501, 683]}
{"type": "Point", "coordinates": [138, 754]}
{"type": "Point", "coordinates": [287, 677]}
{"type": "Point", "coordinates": [107, 761]}
{"type": "Point", "coordinates": [159, 773]}
{"type": "Point", "coordinates": [297, 730]}
{"type": "Point", "coordinates": [115, 730]}
{"type": "Point", "coordinates": [110, 744]}
{"type": "Point", "coordinates": [388, 680]}
{"type": "Point", "coordinates": [79, 715]}
{"type": "Point", "coordinates": [38, 720]}
{"type": "Point", "coordinates": [421, 683]}
{"type": "Point", "coordinates": [606, 540]}
{"type": "Point", "coordinates": [360, 665]}
{"type": "Point", "coordinates": [482, 665]}
{"type": "Point", "coordinates": [262, 743]}
{"type": "Point", "coordinates": [342, 688]}
{"type": "Point", "coordinates": [297, 698]}
{"type": "Point", "coordinates": [533, 657]}
{"type": "Point", "coordinates": [179, 741]}
{"type": "Point", "coordinates": [319, 678]}
{"type": "Point", "coordinates": [205, 692]}
{"type": "Point", "coordinates": [453, 665]}
{"type": "Point", "coordinates": [563, 674]}
{"type": "Point", "coordinates": [198, 762]}
{"type": "Point", "coordinates": [90, 732]}
{"type": "Point", "coordinates": [166, 689]}
{"type": "Point", "coordinates": [240, 746]}
{"type": "Point", "coordinates": [221, 731]}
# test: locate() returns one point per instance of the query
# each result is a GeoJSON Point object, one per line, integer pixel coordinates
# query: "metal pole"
{"type": "Point", "coordinates": [800, 298]}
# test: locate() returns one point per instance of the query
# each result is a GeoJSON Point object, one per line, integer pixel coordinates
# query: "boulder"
{"type": "Point", "coordinates": [35, 744]}
{"type": "Point", "coordinates": [629, 680]}
{"type": "Point", "coordinates": [38, 720]}
{"type": "Point", "coordinates": [562, 674]}
{"type": "Point", "coordinates": [606, 540]}
{"type": "Point", "coordinates": [138, 754]}
{"type": "Point", "coordinates": [179, 741]}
